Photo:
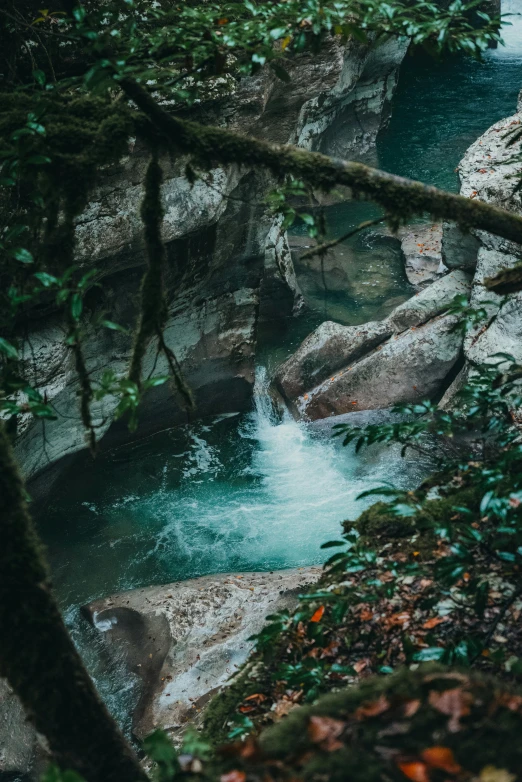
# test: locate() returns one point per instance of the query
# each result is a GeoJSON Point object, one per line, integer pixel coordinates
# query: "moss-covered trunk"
{"type": "Point", "coordinates": [37, 655]}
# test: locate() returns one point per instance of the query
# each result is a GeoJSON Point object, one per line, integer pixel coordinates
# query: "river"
{"type": "Point", "coordinates": [257, 492]}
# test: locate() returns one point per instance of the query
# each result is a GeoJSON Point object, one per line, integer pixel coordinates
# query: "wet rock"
{"type": "Point", "coordinates": [408, 367]}
{"type": "Point", "coordinates": [184, 640]}
{"type": "Point", "coordinates": [338, 360]}
{"type": "Point", "coordinates": [430, 301]}
{"type": "Point", "coordinates": [485, 174]}
{"type": "Point", "coordinates": [502, 335]}
{"type": "Point", "coordinates": [459, 249]}
{"type": "Point", "coordinates": [422, 250]}
{"type": "Point", "coordinates": [330, 347]}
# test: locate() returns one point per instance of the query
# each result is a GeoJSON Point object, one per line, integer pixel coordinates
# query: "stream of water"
{"type": "Point", "coordinates": [254, 492]}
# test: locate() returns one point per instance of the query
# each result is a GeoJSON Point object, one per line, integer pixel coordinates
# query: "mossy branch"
{"type": "Point", "coordinates": [153, 313]}
{"type": "Point", "coordinates": [86, 392]}
{"type": "Point", "coordinates": [37, 656]}
{"type": "Point", "coordinates": [506, 281]}
{"type": "Point", "coordinates": [400, 197]}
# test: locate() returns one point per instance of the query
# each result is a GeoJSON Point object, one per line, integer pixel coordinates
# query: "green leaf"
{"type": "Point", "coordinates": [332, 543]}
{"type": "Point", "coordinates": [38, 160]}
{"type": "Point", "coordinates": [39, 77]}
{"type": "Point", "coordinates": [22, 255]}
{"type": "Point", "coordinates": [155, 381]}
{"type": "Point", "coordinates": [46, 279]}
{"type": "Point", "coordinates": [7, 349]}
{"type": "Point", "coordinates": [109, 324]}
{"type": "Point", "coordinates": [430, 654]}
{"type": "Point", "coordinates": [76, 306]}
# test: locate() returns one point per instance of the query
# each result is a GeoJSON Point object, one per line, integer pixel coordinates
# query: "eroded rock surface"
{"type": "Point", "coordinates": [326, 350]}
{"type": "Point", "coordinates": [407, 356]}
{"type": "Point", "coordinates": [422, 248]}
{"type": "Point", "coordinates": [185, 640]}
{"type": "Point", "coordinates": [229, 265]}
{"type": "Point", "coordinates": [408, 367]}
{"type": "Point", "coordinates": [486, 174]}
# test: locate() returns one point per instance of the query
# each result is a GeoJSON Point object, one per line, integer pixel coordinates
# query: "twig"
{"type": "Point", "coordinates": [321, 249]}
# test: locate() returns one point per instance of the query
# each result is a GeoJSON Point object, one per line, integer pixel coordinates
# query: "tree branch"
{"type": "Point", "coordinates": [400, 197]}
{"type": "Point", "coordinates": [37, 655]}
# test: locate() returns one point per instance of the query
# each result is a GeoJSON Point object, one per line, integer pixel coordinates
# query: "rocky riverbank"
{"type": "Point", "coordinates": [416, 352]}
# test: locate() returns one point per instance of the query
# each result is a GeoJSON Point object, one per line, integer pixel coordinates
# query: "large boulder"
{"type": "Point", "coordinates": [183, 641]}
{"type": "Point", "coordinates": [430, 301]}
{"type": "Point", "coordinates": [328, 372]}
{"type": "Point", "coordinates": [409, 367]}
{"type": "Point", "coordinates": [327, 349]}
{"type": "Point", "coordinates": [487, 173]}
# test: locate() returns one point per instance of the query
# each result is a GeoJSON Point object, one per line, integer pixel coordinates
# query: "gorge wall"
{"type": "Point", "coordinates": [229, 267]}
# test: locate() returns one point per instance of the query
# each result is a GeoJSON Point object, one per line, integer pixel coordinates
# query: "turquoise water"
{"type": "Point", "coordinates": [439, 110]}
{"type": "Point", "coordinates": [254, 491]}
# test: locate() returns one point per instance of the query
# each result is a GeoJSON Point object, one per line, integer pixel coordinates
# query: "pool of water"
{"type": "Point", "coordinates": [249, 492]}
{"type": "Point", "coordinates": [255, 491]}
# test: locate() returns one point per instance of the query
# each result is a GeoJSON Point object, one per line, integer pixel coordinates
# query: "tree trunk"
{"type": "Point", "coordinates": [38, 657]}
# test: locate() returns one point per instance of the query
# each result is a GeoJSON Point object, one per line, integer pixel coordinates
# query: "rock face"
{"type": "Point", "coordinates": [329, 348]}
{"type": "Point", "coordinates": [183, 641]}
{"type": "Point", "coordinates": [485, 174]}
{"type": "Point", "coordinates": [409, 367]}
{"type": "Point", "coordinates": [423, 254]}
{"type": "Point", "coordinates": [230, 268]}
{"type": "Point", "coordinates": [406, 357]}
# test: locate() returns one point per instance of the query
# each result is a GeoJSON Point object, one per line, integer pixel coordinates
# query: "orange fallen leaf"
{"type": "Point", "coordinates": [441, 758]}
{"type": "Point", "coordinates": [411, 708]}
{"type": "Point", "coordinates": [366, 615]}
{"type": "Point", "coordinates": [223, 21]}
{"type": "Point", "coordinates": [234, 776]}
{"type": "Point", "coordinates": [257, 696]}
{"type": "Point", "coordinates": [317, 615]}
{"type": "Point", "coordinates": [416, 771]}
{"type": "Point", "coordinates": [431, 623]}
{"type": "Point", "coordinates": [372, 709]}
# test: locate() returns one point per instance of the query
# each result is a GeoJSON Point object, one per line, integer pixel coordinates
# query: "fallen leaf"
{"type": "Point", "coordinates": [441, 758]}
{"type": "Point", "coordinates": [359, 666]}
{"type": "Point", "coordinates": [257, 696]}
{"type": "Point", "coordinates": [416, 771]}
{"type": "Point", "coordinates": [511, 702]}
{"type": "Point", "coordinates": [318, 615]}
{"type": "Point", "coordinates": [431, 623]}
{"type": "Point", "coordinates": [372, 709]}
{"type": "Point", "coordinates": [283, 708]}
{"type": "Point", "coordinates": [455, 703]}
{"type": "Point", "coordinates": [366, 615]}
{"type": "Point", "coordinates": [325, 731]}
{"type": "Point", "coordinates": [411, 708]}
{"type": "Point", "coordinates": [234, 776]}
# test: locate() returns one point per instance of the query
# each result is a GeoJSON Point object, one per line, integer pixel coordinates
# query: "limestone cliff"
{"type": "Point", "coordinates": [229, 263]}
